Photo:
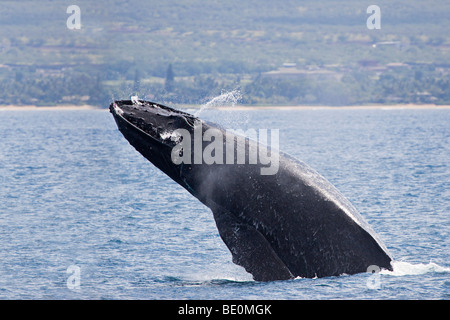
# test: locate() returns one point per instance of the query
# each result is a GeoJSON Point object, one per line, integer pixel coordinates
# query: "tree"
{"type": "Point", "coordinates": [170, 77]}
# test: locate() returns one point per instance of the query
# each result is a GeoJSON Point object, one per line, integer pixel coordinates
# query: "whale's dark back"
{"type": "Point", "coordinates": [309, 224]}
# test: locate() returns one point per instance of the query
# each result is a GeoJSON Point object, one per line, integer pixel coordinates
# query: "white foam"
{"type": "Point", "coordinates": [234, 274]}
{"type": "Point", "coordinates": [401, 268]}
{"type": "Point", "coordinates": [135, 100]}
{"type": "Point", "coordinates": [117, 109]}
{"type": "Point", "coordinates": [172, 135]}
{"type": "Point", "coordinates": [166, 135]}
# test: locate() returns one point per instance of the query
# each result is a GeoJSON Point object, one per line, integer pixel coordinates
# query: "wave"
{"type": "Point", "coordinates": [219, 277]}
{"type": "Point", "coordinates": [402, 268]}
{"type": "Point", "coordinates": [191, 281]}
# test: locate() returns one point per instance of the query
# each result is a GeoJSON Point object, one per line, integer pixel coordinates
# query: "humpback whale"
{"type": "Point", "coordinates": [291, 223]}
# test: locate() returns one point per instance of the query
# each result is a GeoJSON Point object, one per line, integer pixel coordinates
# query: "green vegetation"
{"type": "Point", "coordinates": [186, 51]}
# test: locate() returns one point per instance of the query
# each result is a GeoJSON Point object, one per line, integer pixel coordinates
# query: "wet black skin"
{"type": "Point", "coordinates": [290, 224]}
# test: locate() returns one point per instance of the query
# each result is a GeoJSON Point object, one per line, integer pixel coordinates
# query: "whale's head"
{"type": "Point", "coordinates": [152, 129]}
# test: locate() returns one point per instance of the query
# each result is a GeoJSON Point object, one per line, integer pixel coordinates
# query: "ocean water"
{"type": "Point", "coordinates": [85, 216]}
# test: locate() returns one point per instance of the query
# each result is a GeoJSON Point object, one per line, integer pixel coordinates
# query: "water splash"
{"type": "Point", "coordinates": [402, 268]}
{"type": "Point", "coordinates": [226, 99]}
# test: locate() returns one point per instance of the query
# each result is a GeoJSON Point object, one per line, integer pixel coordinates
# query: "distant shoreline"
{"type": "Point", "coordinates": [240, 107]}
{"type": "Point", "coordinates": [62, 107]}
{"type": "Point", "coordinates": [362, 107]}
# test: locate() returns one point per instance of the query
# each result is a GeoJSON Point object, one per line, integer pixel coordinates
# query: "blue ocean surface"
{"type": "Point", "coordinates": [84, 216]}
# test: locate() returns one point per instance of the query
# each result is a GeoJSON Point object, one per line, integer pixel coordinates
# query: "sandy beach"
{"type": "Point", "coordinates": [365, 107]}
{"type": "Point", "coordinates": [62, 107]}
{"type": "Point", "coordinates": [240, 107]}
